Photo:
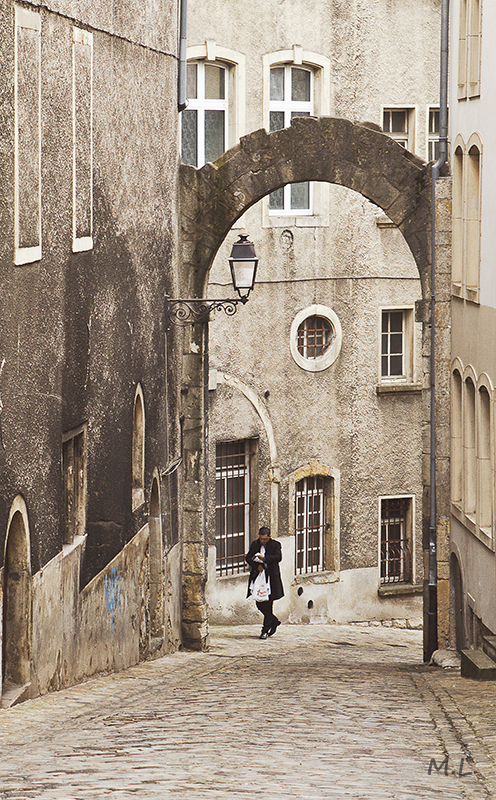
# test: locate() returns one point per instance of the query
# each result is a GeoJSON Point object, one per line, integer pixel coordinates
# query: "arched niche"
{"type": "Point", "coordinates": [16, 612]}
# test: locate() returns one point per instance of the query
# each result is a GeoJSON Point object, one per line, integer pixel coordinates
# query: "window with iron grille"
{"type": "Point", "coordinates": [315, 335]}
{"type": "Point", "coordinates": [232, 505]}
{"type": "Point", "coordinates": [310, 524]}
{"type": "Point", "coordinates": [396, 559]}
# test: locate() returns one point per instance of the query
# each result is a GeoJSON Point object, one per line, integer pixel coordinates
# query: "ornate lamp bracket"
{"type": "Point", "coordinates": [192, 310]}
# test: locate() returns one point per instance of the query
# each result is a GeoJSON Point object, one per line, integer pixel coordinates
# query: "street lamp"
{"type": "Point", "coordinates": [243, 263]}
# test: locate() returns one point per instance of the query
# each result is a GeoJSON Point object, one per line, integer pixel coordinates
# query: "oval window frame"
{"type": "Point", "coordinates": [329, 357]}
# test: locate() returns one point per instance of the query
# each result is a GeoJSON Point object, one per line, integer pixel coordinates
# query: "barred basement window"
{"type": "Point", "coordinates": [396, 526]}
{"type": "Point", "coordinates": [233, 504]}
{"type": "Point", "coordinates": [310, 524]}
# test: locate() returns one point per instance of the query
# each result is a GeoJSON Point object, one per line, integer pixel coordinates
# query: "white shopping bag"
{"type": "Point", "coordinates": [260, 588]}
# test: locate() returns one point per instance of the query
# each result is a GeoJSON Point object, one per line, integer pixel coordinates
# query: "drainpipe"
{"type": "Point", "coordinates": [430, 635]}
{"type": "Point", "coordinates": [183, 43]}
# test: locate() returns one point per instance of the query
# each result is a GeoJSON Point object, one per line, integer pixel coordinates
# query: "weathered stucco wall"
{"type": "Point", "coordinates": [106, 626]}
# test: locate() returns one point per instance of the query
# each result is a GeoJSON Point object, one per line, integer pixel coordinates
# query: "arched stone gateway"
{"type": "Point", "coordinates": [324, 149]}
{"type": "Point", "coordinates": [312, 149]}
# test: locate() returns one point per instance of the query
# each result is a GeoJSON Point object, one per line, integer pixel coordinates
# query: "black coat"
{"type": "Point", "coordinates": [273, 555]}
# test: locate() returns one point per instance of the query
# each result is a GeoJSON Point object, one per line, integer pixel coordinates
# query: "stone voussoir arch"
{"type": "Point", "coordinates": [327, 149]}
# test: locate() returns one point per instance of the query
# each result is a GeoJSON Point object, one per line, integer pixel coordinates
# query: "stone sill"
{"type": "Point", "coordinates": [77, 542]}
{"type": "Point", "coordinates": [399, 388]}
{"type": "Point", "coordinates": [394, 589]}
{"type": "Point", "coordinates": [328, 576]}
{"type": "Point", "coordinates": [241, 575]}
{"type": "Point", "coordinates": [484, 535]}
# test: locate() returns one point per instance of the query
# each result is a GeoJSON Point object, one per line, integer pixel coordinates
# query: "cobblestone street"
{"type": "Point", "coordinates": [317, 711]}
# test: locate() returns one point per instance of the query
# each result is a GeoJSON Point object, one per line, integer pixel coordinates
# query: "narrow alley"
{"type": "Point", "coordinates": [317, 711]}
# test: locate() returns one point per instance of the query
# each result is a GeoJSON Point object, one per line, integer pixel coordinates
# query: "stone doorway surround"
{"type": "Point", "coordinates": [334, 150]}
{"type": "Point", "coordinates": [16, 608]}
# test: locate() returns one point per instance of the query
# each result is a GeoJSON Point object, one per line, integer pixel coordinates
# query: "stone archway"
{"type": "Point", "coordinates": [312, 149]}
{"type": "Point", "coordinates": [324, 149]}
{"type": "Point", "coordinates": [16, 612]}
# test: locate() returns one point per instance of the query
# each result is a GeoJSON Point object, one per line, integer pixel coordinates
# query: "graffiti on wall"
{"type": "Point", "coordinates": [113, 593]}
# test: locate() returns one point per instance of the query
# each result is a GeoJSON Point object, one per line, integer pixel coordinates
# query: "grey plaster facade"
{"type": "Point", "coordinates": [88, 230]}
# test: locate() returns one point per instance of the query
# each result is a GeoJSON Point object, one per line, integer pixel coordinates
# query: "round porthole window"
{"type": "Point", "coordinates": [315, 338]}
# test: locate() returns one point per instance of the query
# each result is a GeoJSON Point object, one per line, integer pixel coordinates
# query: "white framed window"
{"type": "Point", "coordinates": [27, 142]}
{"type": "Point", "coordinates": [433, 134]}
{"type": "Point", "coordinates": [233, 504]}
{"type": "Point", "coordinates": [396, 350]}
{"type": "Point", "coordinates": [205, 123]}
{"type": "Point", "coordinates": [291, 95]}
{"type": "Point", "coordinates": [82, 136]}
{"type": "Point", "coordinates": [399, 124]}
{"type": "Point", "coordinates": [316, 338]}
{"type": "Point", "coordinates": [286, 94]}
{"type": "Point", "coordinates": [396, 526]}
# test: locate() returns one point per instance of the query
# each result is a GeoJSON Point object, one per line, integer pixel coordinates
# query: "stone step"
{"type": "Point", "coordinates": [477, 665]}
{"type": "Point", "coordinates": [489, 646]}
{"type": "Point", "coordinates": [13, 693]}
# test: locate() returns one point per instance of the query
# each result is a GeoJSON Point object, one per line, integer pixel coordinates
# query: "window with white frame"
{"type": "Point", "coordinates": [82, 133]}
{"type": "Point", "coordinates": [399, 124]}
{"type": "Point", "coordinates": [204, 123]}
{"type": "Point", "coordinates": [433, 135]}
{"type": "Point", "coordinates": [397, 345]}
{"type": "Point", "coordinates": [291, 95]}
{"type": "Point", "coordinates": [396, 537]}
{"type": "Point", "coordinates": [27, 140]}
{"type": "Point", "coordinates": [310, 524]}
{"type": "Point", "coordinates": [233, 504]}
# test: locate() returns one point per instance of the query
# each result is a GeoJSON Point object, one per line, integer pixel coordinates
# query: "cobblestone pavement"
{"type": "Point", "coordinates": [317, 711]}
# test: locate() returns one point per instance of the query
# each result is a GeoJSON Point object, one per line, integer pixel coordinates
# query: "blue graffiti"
{"type": "Point", "coordinates": [113, 593]}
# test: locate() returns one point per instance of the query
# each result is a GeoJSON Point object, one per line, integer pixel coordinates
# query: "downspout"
{"type": "Point", "coordinates": [430, 635]}
{"type": "Point", "coordinates": [183, 43]}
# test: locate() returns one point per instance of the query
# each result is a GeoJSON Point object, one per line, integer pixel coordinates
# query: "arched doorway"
{"type": "Point", "coordinates": [156, 567]}
{"type": "Point", "coordinates": [456, 603]}
{"type": "Point", "coordinates": [16, 612]}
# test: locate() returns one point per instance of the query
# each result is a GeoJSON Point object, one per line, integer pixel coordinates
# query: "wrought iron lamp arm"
{"type": "Point", "coordinates": [191, 310]}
